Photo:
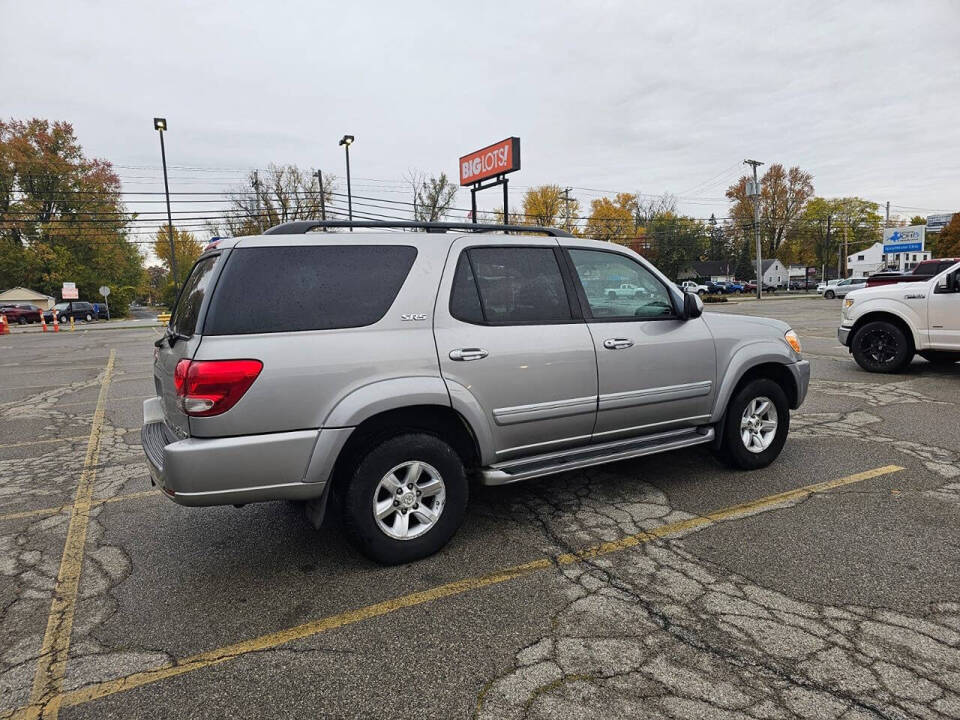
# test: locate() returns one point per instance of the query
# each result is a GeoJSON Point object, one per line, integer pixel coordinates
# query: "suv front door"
{"type": "Point", "coordinates": [513, 346]}
{"type": "Point", "coordinates": [943, 314]}
{"type": "Point", "coordinates": [656, 371]}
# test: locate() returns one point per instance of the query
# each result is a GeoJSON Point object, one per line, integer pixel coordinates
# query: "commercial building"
{"type": "Point", "coordinates": [865, 263]}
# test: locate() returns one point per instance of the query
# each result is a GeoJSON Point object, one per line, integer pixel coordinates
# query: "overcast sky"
{"type": "Point", "coordinates": [605, 96]}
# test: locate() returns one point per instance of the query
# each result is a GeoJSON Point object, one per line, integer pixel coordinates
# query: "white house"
{"type": "Point", "coordinates": [775, 273]}
{"type": "Point", "coordinates": [865, 263]}
{"type": "Point", "coordinates": [25, 296]}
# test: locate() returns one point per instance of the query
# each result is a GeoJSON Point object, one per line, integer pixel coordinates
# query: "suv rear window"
{"type": "Point", "coordinates": [187, 309]}
{"type": "Point", "coordinates": [321, 287]}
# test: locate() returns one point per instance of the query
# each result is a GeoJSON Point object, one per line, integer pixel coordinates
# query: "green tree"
{"type": "Point", "coordinates": [917, 220]}
{"type": "Point", "coordinates": [432, 197]}
{"type": "Point", "coordinates": [187, 249]}
{"type": "Point", "coordinates": [676, 242]}
{"type": "Point", "coordinates": [948, 244]}
{"type": "Point", "coordinates": [61, 217]}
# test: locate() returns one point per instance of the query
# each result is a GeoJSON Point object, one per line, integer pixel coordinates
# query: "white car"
{"type": "Point", "coordinates": [886, 325]}
{"type": "Point", "coordinates": [626, 290]}
{"type": "Point", "coordinates": [691, 287]}
{"type": "Point", "coordinates": [824, 285]}
{"type": "Point", "coordinates": [844, 287]}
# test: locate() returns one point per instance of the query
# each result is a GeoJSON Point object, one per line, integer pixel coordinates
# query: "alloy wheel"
{"type": "Point", "coordinates": [758, 424]}
{"type": "Point", "coordinates": [408, 500]}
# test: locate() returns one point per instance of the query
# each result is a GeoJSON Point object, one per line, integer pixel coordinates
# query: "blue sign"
{"type": "Point", "coordinates": [902, 248]}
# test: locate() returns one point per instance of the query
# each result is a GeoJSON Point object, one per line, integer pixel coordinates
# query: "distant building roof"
{"type": "Point", "coordinates": [23, 293]}
{"type": "Point", "coordinates": [711, 268]}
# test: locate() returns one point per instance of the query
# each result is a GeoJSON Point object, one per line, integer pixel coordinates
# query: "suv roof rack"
{"type": "Point", "coordinates": [298, 227]}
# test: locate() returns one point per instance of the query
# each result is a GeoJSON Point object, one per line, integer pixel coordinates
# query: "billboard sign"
{"type": "Point", "coordinates": [497, 159]}
{"type": "Point", "coordinates": [936, 223]}
{"type": "Point", "coordinates": [905, 239]}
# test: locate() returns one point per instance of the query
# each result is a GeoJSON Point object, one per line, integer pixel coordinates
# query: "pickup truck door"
{"type": "Point", "coordinates": [513, 347]}
{"type": "Point", "coordinates": [943, 316]}
{"type": "Point", "coordinates": [655, 371]}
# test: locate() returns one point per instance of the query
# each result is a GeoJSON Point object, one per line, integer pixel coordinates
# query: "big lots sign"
{"type": "Point", "coordinates": [497, 159]}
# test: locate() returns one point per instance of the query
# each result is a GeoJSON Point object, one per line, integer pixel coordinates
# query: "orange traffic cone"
{"type": "Point", "coordinates": [56, 322]}
{"type": "Point", "coordinates": [4, 326]}
{"type": "Point", "coordinates": [43, 321]}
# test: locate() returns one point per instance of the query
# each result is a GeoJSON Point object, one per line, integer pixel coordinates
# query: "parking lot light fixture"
{"type": "Point", "coordinates": [346, 141]}
{"type": "Point", "coordinates": [160, 124]}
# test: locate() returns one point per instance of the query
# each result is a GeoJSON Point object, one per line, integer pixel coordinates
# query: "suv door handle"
{"type": "Point", "coordinates": [617, 343]}
{"type": "Point", "coordinates": [467, 354]}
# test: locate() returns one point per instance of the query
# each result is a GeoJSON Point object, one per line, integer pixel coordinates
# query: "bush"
{"type": "Point", "coordinates": [714, 298]}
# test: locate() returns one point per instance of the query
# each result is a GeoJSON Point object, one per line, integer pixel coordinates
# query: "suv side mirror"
{"type": "Point", "coordinates": [692, 306]}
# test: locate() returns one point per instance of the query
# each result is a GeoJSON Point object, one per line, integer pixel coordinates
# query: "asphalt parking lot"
{"type": "Point", "coordinates": [825, 586]}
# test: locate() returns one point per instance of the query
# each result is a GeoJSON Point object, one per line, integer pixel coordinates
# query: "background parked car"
{"type": "Point", "coordinates": [923, 271]}
{"type": "Point", "coordinates": [21, 314]}
{"type": "Point", "coordinates": [76, 309]}
{"type": "Point", "coordinates": [844, 286]}
{"type": "Point", "coordinates": [693, 287]}
{"type": "Point", "coordinates": [821, 288]}
{"type": "Point", "coordinates": [751, 287]}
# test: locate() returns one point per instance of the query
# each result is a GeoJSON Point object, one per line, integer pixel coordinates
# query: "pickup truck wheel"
{"type": "Point", "coordinates": [881, 347]}
{"type": "Point", "coordinates": [940, 357]}
{"type": "Point", "coordinates": [612, 295]}
{"type": "Point", "coordinates": [829, 294]}
{"type": "Point", "coordinates": [406, 499]}
{"type": "Point", "coordinates": [757, 422]}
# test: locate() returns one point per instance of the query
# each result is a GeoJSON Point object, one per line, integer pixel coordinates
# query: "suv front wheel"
{"type": "Point", "coordinates": [756, 426]}
{"type": "Point", "coordinates": [406, 498]}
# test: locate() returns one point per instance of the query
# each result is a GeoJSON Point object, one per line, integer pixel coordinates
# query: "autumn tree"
{"type": "Point", "coordinates": [432, 197]}
{"type": "Point", "coordinates": [187, 249]}
{"type": "Point", "coordinates": [948, 244]}
{"type": "Point", "coordinates": [61, 216]}
{"type": "Point", "coordinates": [546, 205]}
{"type": "Point", "coordinates": [281, 193]}
{"type": "Point", "coordinates": [783, 195]}
{"type": "Point", "coordinates": [612, 220]}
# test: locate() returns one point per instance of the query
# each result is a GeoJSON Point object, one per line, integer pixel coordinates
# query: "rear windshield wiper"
{"type": "Point", "coordinates": [172, 336]}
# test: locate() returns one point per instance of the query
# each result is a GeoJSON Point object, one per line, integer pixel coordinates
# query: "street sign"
{"type": "Point", "coordinates": [906, 239]}
{"type": "Point", "coordinates": [69, 291]}
{"type": "Point", "coordinates": [497, 159]}
{"type": "Point", "coordinates": [104, 290]}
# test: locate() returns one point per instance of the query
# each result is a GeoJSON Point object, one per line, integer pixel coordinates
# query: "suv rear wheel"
{"type": "Point", "coordinates": [881, 347]}
{"type": "Point", "coordinates": [757, 422]}
{"type": "Point", "coordinates": [406, 498]}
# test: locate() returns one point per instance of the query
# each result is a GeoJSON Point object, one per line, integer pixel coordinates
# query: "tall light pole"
{"type": "Point", "coordinates": [753, 190]}
{"type": "Point", "coordinates": [346, 141]}
{"type": "Point", "coordinates": [160, 124]}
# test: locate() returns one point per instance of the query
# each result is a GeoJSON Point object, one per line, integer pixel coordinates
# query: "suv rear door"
{"type": "Point", "coordinates": [510, 338]}
{"type": "Point", "coordinates": [656, 371]}
{"type": "Point", "coordinates": [182, 339]}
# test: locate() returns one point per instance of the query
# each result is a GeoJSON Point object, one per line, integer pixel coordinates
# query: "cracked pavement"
{"type": "Point", "coordinates": [840, 604]}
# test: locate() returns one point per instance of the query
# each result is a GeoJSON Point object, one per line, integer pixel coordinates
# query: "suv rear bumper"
{"type": "Point", "coordinates": [236, 470]}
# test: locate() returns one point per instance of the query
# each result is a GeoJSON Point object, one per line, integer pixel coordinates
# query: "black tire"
{"type": "Point", "coordinates": [21, 320]}
{"type": "Point", "coordinates": [881, 347]}
{"type": "Point", "coordinates": [733, 450]}
{"type": "Point", "coordinates": [612, 295]}
{"type": "Point", "coordinates": [940, 357]}
{"type": "Point", "coordinates": [63, 319]}
{"type": "Point", "coordinates": [359, 521]}
{"type": "Point", "coordinates": [88, 317]}
{"type": "Point", "coordinates": [701, 293]}
{"type": "Point", "coordinates": [829, 294]}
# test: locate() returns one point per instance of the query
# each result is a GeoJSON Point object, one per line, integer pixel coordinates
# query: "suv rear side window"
{"type": "Point", "coordinates": [515, 286]}
{"type": "Point", "coordinates": [187, 310]}
{"type": "Point", "coordinates": [319, 287]}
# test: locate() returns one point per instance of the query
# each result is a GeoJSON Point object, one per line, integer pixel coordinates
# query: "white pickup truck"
{"type": "Point", "coordinates": [886, 325]}
{"type": "Point", "coordinates": [693, 287]}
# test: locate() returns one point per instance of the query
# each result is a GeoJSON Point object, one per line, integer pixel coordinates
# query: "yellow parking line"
{"type": "Point", "coordinates": [93, 503]}
{"type": "Point", "coordinates": [46, 695]}
{"type": "Point", "coordinates": [281, 637]}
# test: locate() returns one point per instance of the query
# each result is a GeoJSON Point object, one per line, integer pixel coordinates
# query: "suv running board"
{"type": "Point", "coordinates": [585, 456]}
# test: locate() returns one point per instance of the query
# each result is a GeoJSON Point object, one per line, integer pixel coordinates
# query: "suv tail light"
{"type": "Point", "coordinates": [211, 387]}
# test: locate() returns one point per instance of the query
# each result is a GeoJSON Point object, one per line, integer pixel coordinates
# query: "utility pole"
{"type": "Point", "coordinates": [846, 251]}
{"type": "Point", "coordinates": [754, 192]}
{"type": "Point", "coordinates": [887, 223]}
{"type": "Point", "coordinates": [829, 218]}
{"type": "Point", "coordinates": [160, 124]}
{"type": "Point", "coordinates": [323, 203]}
{"type": "Point", "coordinates": [256, 192]}
{"type": "Point", "coordinates": [566, 205]}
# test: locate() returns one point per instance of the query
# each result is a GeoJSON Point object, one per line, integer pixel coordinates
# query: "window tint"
{"type": "Point", "coordinates": [187, 309]}
{"type": "Point", "coordinates": [285, 289]}
{"type": "Point", "coordinates": [464, 299]}
{"type": "Point", "coordinates": [619, 287]}
{"type": "Point", "coordinates": [520, 285]}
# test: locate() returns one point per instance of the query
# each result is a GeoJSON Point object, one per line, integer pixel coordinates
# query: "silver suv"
{"type": "Point", "coordinates": [385, 370]}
